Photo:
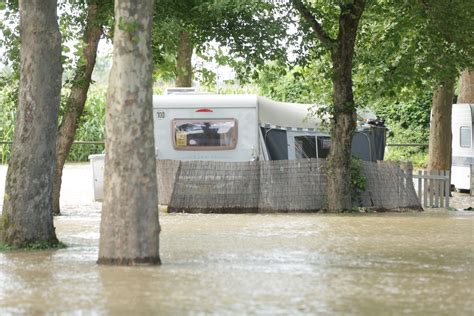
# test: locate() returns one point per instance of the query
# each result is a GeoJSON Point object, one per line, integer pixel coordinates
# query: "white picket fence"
{"type": "Point", "coordinates": [433, 188]}
{"type": "Point", "coordinates": [472, 180]}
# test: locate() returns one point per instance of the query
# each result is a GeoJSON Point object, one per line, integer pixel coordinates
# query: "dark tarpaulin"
{"type": "Point", "coordinates": [276, 142]}
{"type": "Point", "coordinates": [379, 141]}
{"type": "Point", "coordinates": [361, 145]}
{"type": "Point", "coordinates": [369, 144]}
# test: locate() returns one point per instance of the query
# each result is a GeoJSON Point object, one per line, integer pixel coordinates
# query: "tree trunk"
{"type": "Point", "coordinates": [77, 98]}
{"type": "Point", "coordinates": [342, 129]}
{"type": "Point", "coordinates": [440, 128]}
{"type": "Point", "coordinates": [129, 229]}
{"type": "Point", "coordinates": [27, 216]}
{"type": "Point", "coordinates": [343, 120]}
{"type": "Point", "coordinates": [184, 68]}
{"type": "Point", "coordinates": [466, 94]}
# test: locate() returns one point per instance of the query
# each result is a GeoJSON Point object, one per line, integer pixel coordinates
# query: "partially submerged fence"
{"type": "Point", "coordinates": [472, 180]}
{"type": "Point", "coordinates": [389, 186]}
{"type": "Point", "coordinates": [166, 171]}
{"type": "Point", "coordinates": [433, 188]}
{"type": "Point", "coordinates": [275, 186]}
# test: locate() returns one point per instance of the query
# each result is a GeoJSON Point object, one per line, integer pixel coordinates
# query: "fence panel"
{"type": "Point", "coordinates": [282, 186]}
{"type": "Point", "coordinates": [166, 175]}
{"type": "Point", "coordinates": [472, 180]}
{"type": "Point", "coordinates": [433, 188]}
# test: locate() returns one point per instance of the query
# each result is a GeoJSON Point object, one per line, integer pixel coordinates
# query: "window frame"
{"type": "Point", "coordinates": [303, 138]}
{"type": "Point", "coordinates": [469, 134]}
{"type": "Point", "coordinates": [234, 137]}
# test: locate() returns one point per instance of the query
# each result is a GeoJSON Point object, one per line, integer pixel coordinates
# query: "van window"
{"type": "Point", "coordinates": [465, 136]}
{"type": "Point", "coordinates": [199, 134]}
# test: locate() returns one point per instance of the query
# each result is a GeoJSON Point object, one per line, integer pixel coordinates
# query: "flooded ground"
{"type": "Point", "coordinates": [251, 264]}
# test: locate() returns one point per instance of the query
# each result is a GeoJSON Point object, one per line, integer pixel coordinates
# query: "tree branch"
{"type": "Point", "coordinates": [315, 25]}
{"type": "Point", "coordinates": [359, 6]}
{"type": "Point", "coordinates": [349, 17]}
{"type": "Point", "coordinates": [425, 5]}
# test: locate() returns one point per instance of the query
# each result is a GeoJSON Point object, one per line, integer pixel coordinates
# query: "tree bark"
{"type": "Point", "coordinates": [343, 112]}
{"type": "Point", "coordinates": [343, 121]}
{"type": "Point", "coordinates": [466, 94]}
{"type": "Point", "coordinates": [440, 129]}
{"type": "Point", "coordinates": [27, 216]}
{"type": "Point", "coordinates": [77, 98]}
{"type": "Point", "coordinates": [184, 68]}
{"type": "Point", "coordinates": [129, 229]}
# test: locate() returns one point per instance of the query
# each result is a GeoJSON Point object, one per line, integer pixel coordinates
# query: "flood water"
{"type": "Point", "coordinates": [251, 264]}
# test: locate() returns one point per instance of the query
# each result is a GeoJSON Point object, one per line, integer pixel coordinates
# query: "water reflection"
{"type": "Point", "coordinates": [272, 264]}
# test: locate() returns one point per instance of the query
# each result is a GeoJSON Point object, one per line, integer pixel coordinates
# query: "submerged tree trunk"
{"type": "Point", "coordinates": [184, 68]}
{"type": "Point", "coordinates": [27, 214]}
{"type": "Point", "coordinates": [343, 122]}
{"type": "Point", "coordinates": [129, 229]}
{"type": "Point", "coordinates": [440, 128]}
{"type": "Point", "coordinates": [466, 94]}
{"type": "Point", "coordinates": [77, 98]}
{"type": "Point", "coordinates": [343, 114]}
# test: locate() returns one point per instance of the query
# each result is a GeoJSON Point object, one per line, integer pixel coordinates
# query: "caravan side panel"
{"type": "Point", "coordinates": [462, 145]}
{"type": "Point", "coordinates": [240, 112]}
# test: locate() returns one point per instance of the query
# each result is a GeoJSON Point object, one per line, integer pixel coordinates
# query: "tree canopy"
{"type": "Point", "coordinates": [251, 32]}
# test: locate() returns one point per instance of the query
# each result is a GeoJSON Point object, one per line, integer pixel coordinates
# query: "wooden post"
{"type": "Point", "coordinates": [472, 180]}
{"type": "Point", "coordinates": [441, 188]}
{"type": "Point", "coordinates": [425, 189]}
{"type": "Point", "coordinates": [448, 188]}
{"type": "Point", "coordinates": [419, 185]}
{"type": "Point", "coordinates": [431, 188]}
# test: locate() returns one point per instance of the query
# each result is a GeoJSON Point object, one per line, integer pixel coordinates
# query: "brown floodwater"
{"type": "Point", "coordinates": [370, 264]}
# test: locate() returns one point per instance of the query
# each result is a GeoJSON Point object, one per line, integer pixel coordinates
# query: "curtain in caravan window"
{"type": "Point", "coordinates": [465, 136]}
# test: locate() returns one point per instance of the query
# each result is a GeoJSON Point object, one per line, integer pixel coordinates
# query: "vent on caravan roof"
{"type": "Point", "coordinates": [204, 110]}
{"type": "Point", "coordinates": [179, 90]}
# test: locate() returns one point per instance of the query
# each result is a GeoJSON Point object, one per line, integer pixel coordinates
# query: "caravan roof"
{"type": "Point", "coordinates": [205, 100]}
{"type": "Point", "coordinates": [297, 115]}
{"type": "Point", "coordinates": [286, 115]}
{"type": "Point", "coordinates": [272, 113]}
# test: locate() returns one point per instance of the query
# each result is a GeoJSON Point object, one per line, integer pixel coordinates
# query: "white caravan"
{"type": "Point", "coordinates": [206, 127]}
{"type": "Point", "coordinates": [191, 126]}
{"type": "Point", "coordinates": [462, 146]}
{"type": "Point", "coordinates": [249, 127]}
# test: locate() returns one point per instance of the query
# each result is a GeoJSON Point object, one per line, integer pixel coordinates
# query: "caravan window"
{"type": "Point", "coordinates": [324, 144]}
{"type": "Point", "coordinates": [198, 134]}
{"type": "Point", "coordinates": [465, 136]}
{"type": "Point", "coordinates": [305, 147]}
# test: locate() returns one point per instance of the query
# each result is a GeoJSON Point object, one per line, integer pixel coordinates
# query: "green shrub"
{"type": "Point", "coordinates": [419, 159]}
{"type": "Point", "coordinates": [8, 102]}
{"type": "Point", "coordinates": [409, 123]}
{"type": "Point", "coordinates": [358, 180]}
{"type": "Point", "coordinates": [91, 127]}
